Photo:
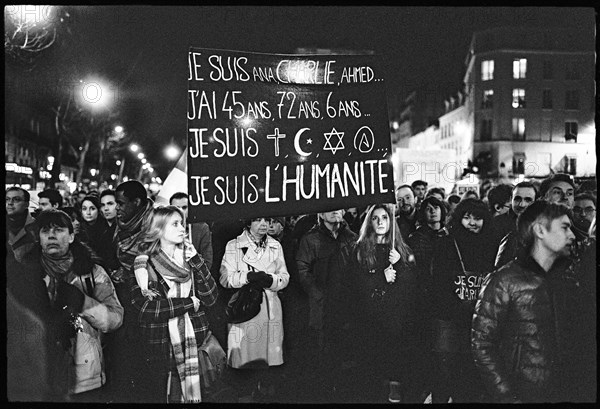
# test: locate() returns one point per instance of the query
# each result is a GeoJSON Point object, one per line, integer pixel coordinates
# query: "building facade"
{"type": "Point", "coordinates": [530, 100]}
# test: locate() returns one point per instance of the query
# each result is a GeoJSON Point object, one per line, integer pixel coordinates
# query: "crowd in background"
{"type": "Point", "coordinates": [484, 296]}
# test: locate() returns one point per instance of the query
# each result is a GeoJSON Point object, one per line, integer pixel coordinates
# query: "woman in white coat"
{"type": "Point", "coordinates": [258, 343]}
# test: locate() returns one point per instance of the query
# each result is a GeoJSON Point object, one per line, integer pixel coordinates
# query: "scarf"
{"type": "Point", "coordinates": [181, 330]}
{"type": "Point", "coordinates": [56, 268]}
{"type": "Point", "coordinates": [128, 235]}
{"type": "Point", "coordinates": [164, 265]}
{"type": "Point", "coordinates": [261, 244]}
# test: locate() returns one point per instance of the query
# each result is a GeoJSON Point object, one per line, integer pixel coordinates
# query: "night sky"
{"type": "Point", "coordinates": [143, 49]}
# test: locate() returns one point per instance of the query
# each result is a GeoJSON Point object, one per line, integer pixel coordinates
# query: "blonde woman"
{"type": "Point", "coordinates": [177, 288]}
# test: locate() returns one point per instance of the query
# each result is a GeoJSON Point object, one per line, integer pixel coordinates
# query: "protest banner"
{"type": "Point", "coordinates": [277, 135]}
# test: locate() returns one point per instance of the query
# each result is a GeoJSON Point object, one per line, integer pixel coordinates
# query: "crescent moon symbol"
{"type": "Point", "coordinates": [297, 142]}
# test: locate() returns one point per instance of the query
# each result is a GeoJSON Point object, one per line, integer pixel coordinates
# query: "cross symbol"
{"type": "Point", "coordinates": [276, 136]}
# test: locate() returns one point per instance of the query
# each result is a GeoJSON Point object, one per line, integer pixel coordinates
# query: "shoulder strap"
{"type": "Point", "coordinates": [88, 283]}
{"type": "Point", "coordinates": [460, 257]}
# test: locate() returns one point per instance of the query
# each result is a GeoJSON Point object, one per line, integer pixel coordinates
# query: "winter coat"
{"type": "Point", "coordinates": [323, 269]}
{"type": "Point", "coordinates": [101, 313]}
{"type": "Point", "coordinates": [201, 239]}
{"type": "Point", "coordinates": [454, 293]}
{"type": "Point", "coordinates": [514, 332]}
{"type": "Point", "coordinates": [260, 339]}
{"type": "Point", "coordinates": [24, 240]}
{"type": "Point", "coordinates": [406, 225]}
{"type": "Point", "coordinates": [153, 315]}
{"type": "Point", "coordinates": [99, 238]}
{"type": "Point", "coordinates": [389, 307]}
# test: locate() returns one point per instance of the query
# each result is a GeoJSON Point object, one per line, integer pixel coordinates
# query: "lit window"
{"type": "Point", "coordinates": [487, 70]}
{"type": "Point", "coordinates": [488, 99]}
{"type": "Point", "coordinates": [572, 99]}
{"type": "Point", "coordinates": [570, 165]}
{"type": "Point", "coordinates": [519, 68]}
{"type": "Point", "coordinates": [518, 129]}
{"type": "Point", "coordinates": [571, 130]}
{"type": "Point", "coordinates": [519, 163]}
{"type": "Point", "coordinates": [546, 99]}
{"type": "Point", "coordinates": [518, 98]}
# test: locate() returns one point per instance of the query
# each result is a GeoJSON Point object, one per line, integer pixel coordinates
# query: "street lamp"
{"type": "Point", "coordinates": [134, 147]}
{"type": "Point", "coordinates": [172, 152]}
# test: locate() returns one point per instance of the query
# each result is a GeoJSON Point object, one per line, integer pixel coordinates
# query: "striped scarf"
{"type": "Point", "coordinates": [181, 330]}
{"type": "Point", "coordinates": [128, 235]}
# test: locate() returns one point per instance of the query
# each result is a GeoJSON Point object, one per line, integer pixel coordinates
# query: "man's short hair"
{"type": "Point", "coordinates": [499, 195]}
{"type": "Point", "coordinates": [419, 183]}
{"type": "Point", "coordinates": [108, 192]}
{"type": "Point", "coordinates": [133, 189]}
{"type": "Point", "coordinates": [26, 195]}
{"type": "Point", "coordinates": [437, 190]}
{"type": "Point", "coordinates": [557, 177]}
{"type": "Point", "coordinates": [177, 196]}
{"type": "Point", "coordinates": [588, 186]}
{"type": "Point", "coordinates": [586, 196]}
{"type": "Point", "coordinates": [540, 209]}
{"type": "Point", "coordinates": [454, 198]}
{"type": "Point", "coordinates": [52, 195]}
{"type": "Point", "coordinates": [525, 185]}
{"type": "Point", "coordinates": [407, 186]}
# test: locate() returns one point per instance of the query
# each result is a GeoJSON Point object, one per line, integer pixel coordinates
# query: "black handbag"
{"type": "Point", "coordinates": [245, 303]}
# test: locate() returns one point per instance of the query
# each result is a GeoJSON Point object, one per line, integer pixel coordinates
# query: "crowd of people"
{"type": "Point", "coordinates": [433, 299]}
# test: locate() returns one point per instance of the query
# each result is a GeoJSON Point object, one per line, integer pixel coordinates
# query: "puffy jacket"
{"type": "Point", "coordinates": [513, 338]}
{"type": "Point", "coordinates": [102, 313]}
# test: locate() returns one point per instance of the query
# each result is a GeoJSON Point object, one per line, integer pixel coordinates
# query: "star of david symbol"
{"type": "Point", "coordinates": [339, 145]}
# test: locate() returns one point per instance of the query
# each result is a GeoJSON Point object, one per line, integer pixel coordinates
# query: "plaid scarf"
{"type": "Point", "coordinates": [128, 235]}
{"type": "Point", "coordinates": [181, 330]}
{"type": "Point", "coordinates": [56, 268]}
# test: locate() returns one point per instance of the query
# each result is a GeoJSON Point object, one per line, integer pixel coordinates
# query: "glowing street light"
{"type": "Point", "coordinates": [144, 160]}
{"type": "Point", "coordinates": [141, 155]}
{"type": "Point", "coordinates": [118, 129]}
{"type": "Point", "coordinates": [95, 93]}
{"type": "Point", "coordinates": [172, 152]}
{"type": "Point", "coordinates": [134, 147]}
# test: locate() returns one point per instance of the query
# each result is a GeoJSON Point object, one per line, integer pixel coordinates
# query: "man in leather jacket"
{"type": "Point", "coordinates": [518, 326]}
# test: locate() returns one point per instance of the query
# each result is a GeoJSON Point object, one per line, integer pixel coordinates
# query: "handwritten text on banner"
{"type": "Point", "coordinates": [276, 135]}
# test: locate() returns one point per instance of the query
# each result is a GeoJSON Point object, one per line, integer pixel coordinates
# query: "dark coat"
{"type": "Point", "coordinates": [322, 261]}
{"type": "Point", "coordinates": [453, 294]}
{"type": "Point", "coordinates": [389, 307]}
{"type": "Point", "coordinates": [406, 225]}
{"type": "Point", "coordinates": [515, 332]}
